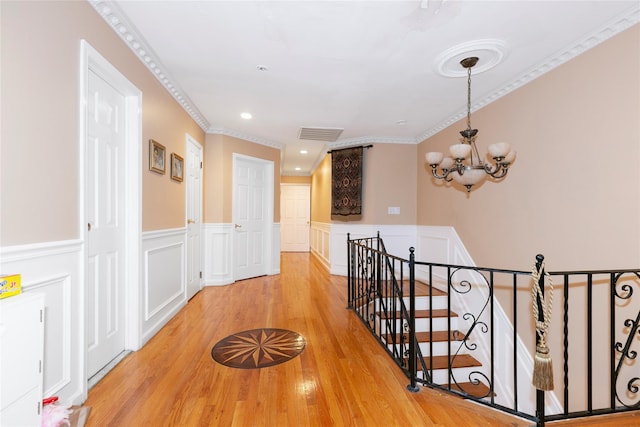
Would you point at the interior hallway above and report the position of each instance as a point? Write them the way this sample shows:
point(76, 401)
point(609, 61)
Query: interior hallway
point(343, 376)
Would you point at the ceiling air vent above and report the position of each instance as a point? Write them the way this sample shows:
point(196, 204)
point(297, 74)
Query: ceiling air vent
point(320, 134)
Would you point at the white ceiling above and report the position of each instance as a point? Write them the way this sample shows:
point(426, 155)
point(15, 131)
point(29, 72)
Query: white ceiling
point(384, 71)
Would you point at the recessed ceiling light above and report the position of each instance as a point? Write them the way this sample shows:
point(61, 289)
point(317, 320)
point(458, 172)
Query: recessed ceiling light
point(297, 169)
point(246, 116)
point(303, 151)
point(401, 122)
point(262, 68)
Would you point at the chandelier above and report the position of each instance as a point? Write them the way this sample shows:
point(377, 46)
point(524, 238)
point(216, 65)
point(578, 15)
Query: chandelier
point(465, 165)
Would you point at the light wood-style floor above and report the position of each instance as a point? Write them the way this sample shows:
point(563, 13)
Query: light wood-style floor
point(342, 378)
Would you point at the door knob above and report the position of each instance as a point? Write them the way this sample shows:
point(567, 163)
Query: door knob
point(237, 226)
point(190, 221)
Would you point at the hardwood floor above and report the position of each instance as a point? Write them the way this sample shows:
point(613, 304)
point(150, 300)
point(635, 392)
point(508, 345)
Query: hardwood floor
point(342, 378)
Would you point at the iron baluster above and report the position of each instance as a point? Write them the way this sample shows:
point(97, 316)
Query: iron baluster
point(540, 415)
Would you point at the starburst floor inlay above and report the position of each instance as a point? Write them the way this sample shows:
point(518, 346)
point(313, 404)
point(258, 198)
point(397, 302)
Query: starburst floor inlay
point(258, 348)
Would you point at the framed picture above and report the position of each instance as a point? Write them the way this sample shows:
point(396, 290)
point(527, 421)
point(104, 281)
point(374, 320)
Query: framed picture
point(177, 167)
point(156, 157)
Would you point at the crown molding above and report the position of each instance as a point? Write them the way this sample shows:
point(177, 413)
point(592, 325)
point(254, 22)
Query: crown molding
point(117, 20)
point(244, 136)
point(371, 140)
point(296, 174)
point(615, 26)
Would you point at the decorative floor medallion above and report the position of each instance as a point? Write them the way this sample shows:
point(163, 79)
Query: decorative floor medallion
point(258, 348)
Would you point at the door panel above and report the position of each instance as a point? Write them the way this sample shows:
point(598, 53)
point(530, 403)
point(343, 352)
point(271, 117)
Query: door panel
point(194, 217)
point(295, 216)
point(250, 218)
point(105, 217)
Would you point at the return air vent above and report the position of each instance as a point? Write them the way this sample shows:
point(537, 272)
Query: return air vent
point(320, 134)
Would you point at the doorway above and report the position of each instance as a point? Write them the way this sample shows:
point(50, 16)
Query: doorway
point(110, 171)
point(193, 176)
point(295, 217)
point(252, 216)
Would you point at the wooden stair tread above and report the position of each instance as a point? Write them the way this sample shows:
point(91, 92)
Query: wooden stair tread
point(422, 314)
point(436, 336)
point(422, 289)
point(460, 361)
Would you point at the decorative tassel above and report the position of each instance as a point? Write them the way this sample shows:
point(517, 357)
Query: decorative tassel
point(542, 369)
point(542, 366)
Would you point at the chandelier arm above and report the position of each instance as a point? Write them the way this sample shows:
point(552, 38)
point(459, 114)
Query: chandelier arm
point(474, 148)
point(498, 171)
point(445, 173)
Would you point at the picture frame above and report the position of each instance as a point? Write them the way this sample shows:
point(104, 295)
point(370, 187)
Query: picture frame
point(177, 167)
point(156, 157)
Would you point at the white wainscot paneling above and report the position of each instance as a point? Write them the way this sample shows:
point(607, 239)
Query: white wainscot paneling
point(54, 269)
point(320, 241)
point(397, 239)
point(274, 268)
point(163, 290)
point(218, 250)
point(443, 245)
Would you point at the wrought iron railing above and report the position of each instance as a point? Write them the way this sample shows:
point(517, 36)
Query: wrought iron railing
point(380, 295)
point(483, 319)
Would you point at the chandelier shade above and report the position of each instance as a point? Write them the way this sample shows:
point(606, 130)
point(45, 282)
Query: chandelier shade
point(471, 175)
point(465, 165)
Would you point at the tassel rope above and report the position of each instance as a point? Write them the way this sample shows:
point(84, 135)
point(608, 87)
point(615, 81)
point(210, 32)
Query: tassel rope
point(542, 366)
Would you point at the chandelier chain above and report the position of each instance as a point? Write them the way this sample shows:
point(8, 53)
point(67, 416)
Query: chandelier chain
point(469, 98)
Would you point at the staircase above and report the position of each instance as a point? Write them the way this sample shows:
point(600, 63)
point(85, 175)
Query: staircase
point(446, 340)
point(477, 352)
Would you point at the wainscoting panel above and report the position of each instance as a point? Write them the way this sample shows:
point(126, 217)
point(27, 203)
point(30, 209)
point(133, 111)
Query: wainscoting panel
point(443, 245)
point(319, 241)
point(397, 239)
point(274, 267)
point(55, 270)
point(218, 254)
point(163, 271)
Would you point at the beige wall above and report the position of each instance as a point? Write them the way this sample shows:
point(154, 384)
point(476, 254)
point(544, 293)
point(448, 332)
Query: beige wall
point(295, 180)
point(389, 180)
point(39, 182)
point(568, 127)
point(321, 192)
point(573, 194)
point(167, 123)
point(218, 176)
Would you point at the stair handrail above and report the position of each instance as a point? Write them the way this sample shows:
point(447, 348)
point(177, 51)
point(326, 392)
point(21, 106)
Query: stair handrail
point(411, 350)
point(621, 352)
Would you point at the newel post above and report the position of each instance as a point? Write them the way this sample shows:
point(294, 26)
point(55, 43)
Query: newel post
point(413, 370)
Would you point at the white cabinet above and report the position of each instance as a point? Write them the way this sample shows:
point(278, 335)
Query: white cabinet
point(21, 360)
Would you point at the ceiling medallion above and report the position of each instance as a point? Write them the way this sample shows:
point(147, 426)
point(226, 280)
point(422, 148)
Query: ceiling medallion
point(492, 52)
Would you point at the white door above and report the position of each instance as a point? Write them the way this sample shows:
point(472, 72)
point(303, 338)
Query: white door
point(295, 217)
point(193, 178)
point(251, 183)
point(105, 202)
